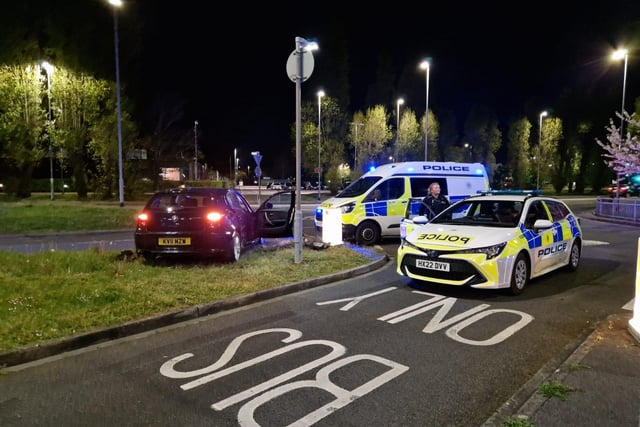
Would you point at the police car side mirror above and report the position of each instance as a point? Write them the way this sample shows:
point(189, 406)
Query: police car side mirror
point(542, 224)
point(420, 220)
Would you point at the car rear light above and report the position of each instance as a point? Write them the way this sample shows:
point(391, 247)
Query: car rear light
point(214, 217)
point(142, 220)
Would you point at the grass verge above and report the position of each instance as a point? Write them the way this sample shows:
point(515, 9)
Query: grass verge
point(50, 295)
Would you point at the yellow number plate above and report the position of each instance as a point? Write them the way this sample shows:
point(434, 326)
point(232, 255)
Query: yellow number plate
point(174, 241)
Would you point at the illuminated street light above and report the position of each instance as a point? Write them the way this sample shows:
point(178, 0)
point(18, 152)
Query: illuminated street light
point(355, 145)
point(542, 114)
point(399, 103)
point(426, 65)
point(470, 148)
point(49, 69)
point(195, 136)
point(320, 95)
point(235, 167)
point(303, 46)
point(116, 4)
point(617, 55)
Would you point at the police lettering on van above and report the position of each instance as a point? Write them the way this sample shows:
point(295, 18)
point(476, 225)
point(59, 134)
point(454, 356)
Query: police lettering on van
point(366, 219)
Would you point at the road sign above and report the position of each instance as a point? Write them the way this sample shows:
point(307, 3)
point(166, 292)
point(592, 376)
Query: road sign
point(318, 169)
point(257, 157)
point(307, 65)
point(257, 171)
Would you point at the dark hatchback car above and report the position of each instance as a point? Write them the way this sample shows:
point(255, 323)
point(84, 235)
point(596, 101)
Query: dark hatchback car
point(209, 222)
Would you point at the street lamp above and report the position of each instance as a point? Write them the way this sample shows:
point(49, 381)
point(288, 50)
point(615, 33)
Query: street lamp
point(116, 4)
point(195, 136)
point(235, 166)
point(399, 103)
point(355, 145)
point(617, 55)
point(320, 95)
point(49, 70)
point(303, 47)
point(470, 148)
point(542, 114)
point(426, 65)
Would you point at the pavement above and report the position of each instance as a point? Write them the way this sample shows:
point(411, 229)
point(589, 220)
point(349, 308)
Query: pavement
point(595, 382)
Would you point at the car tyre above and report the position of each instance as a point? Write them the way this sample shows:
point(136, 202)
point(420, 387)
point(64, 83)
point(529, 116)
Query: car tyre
point(574, 257)
point(519, 274)
point(233, 253)
point(367, 233)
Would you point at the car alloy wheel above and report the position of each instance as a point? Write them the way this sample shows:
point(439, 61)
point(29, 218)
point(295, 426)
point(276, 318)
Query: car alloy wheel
point(519, 275)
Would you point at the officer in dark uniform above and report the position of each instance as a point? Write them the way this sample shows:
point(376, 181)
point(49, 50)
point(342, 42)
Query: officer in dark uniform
point(434, 202)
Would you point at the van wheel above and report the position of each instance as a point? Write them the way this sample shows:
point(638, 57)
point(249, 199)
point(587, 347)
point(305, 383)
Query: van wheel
point(367, 233)
point(519, 275)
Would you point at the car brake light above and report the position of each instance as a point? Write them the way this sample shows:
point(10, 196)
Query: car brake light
point(214, 216)
point(142, 219)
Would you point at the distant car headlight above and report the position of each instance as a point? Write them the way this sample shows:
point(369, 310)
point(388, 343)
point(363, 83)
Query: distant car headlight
point(490, 251)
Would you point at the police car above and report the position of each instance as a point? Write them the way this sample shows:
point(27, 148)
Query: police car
point(494, 240)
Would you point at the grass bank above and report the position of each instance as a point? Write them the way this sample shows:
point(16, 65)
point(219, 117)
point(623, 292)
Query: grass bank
point(53, 294)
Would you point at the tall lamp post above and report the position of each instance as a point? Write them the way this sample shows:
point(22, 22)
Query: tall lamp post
point(302, 50)
point(426, 65)
point(49, 70)
point(542, 114)
point(235, 167)
point(399, 103)
point(116, 4)
point(355, 145)
point(195, 137)
point(617, 55)
point(320, 95)
point(470, 148)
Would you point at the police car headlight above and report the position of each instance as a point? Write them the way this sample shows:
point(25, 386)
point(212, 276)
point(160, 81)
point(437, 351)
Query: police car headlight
point(348, 207)
point(490, 251)
point(405, 242)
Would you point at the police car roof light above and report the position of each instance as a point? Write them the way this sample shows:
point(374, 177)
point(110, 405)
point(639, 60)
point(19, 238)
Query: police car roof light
point(511, 192)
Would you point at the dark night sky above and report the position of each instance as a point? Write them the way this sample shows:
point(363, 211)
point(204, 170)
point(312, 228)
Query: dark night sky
point(230, 63)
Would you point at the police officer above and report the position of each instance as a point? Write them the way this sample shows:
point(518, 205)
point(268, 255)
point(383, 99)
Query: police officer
point(434, 202)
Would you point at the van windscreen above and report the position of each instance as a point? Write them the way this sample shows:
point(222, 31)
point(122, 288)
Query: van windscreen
point(359, 186)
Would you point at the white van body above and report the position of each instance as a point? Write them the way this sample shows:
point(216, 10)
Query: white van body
point(367, 219)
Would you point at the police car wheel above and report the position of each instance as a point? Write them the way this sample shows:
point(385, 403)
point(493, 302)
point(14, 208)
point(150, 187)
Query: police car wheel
point(367, 233)
point(519, 275)
point(574, 257)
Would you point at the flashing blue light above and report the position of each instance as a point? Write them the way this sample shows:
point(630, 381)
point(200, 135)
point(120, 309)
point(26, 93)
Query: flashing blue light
point(410, 169)
point(371, 168)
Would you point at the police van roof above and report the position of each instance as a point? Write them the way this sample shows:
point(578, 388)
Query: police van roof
point(429, 168)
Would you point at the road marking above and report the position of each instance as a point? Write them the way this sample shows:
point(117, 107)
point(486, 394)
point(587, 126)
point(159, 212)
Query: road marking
point(261, 394)
point(594, 243)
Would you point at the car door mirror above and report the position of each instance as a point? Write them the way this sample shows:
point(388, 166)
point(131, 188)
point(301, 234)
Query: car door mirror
point(542, 224)
point(420, 220)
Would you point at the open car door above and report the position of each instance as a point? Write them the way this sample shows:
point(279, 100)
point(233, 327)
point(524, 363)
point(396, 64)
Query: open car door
point(275, 215)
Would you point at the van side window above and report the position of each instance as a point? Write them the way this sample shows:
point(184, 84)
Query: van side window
point(395, 187)
point(419, 186)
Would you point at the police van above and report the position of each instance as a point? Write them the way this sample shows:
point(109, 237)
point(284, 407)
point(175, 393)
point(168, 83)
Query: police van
point(373, 205)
